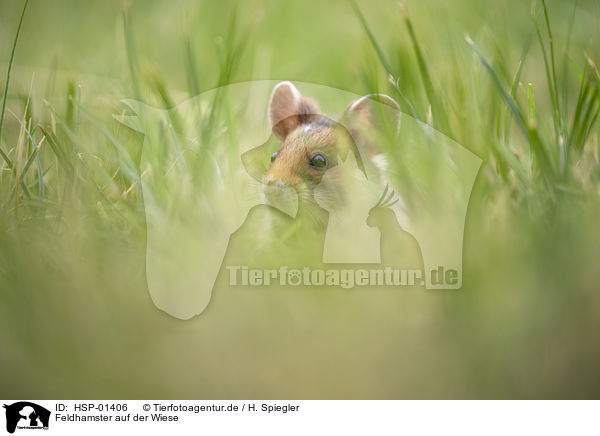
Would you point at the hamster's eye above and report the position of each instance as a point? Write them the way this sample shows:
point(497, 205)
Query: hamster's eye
point(318, 161)
point(273, 156)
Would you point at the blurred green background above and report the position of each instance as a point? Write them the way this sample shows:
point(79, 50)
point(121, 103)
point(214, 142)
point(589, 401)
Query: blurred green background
point(76, 319)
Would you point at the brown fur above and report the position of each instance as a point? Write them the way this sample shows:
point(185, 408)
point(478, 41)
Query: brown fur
point(296, 121)
point(292, 165)
point(288, 109)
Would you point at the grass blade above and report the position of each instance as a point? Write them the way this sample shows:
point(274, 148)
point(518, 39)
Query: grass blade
point(191, 70)
point(538, 146)
point(10, 63)
point(439, 116)
point(383, 59)
point(57, 149)
point(530, 103)
point(552, 61)
point(548, 69)
point(131, 56)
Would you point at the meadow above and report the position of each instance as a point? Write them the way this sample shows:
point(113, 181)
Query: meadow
point(514, 82)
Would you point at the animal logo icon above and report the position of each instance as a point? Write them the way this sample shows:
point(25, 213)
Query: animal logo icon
point(26, 415)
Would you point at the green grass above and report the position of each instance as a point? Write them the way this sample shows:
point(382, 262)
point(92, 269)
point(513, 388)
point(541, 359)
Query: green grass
point(516, 84)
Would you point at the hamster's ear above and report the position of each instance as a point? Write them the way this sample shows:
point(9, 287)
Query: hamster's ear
point(371, 118)
point(288, 109)
point(376, 110)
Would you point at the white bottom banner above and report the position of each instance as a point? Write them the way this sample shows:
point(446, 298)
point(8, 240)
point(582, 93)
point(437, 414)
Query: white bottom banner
point(301, 417)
